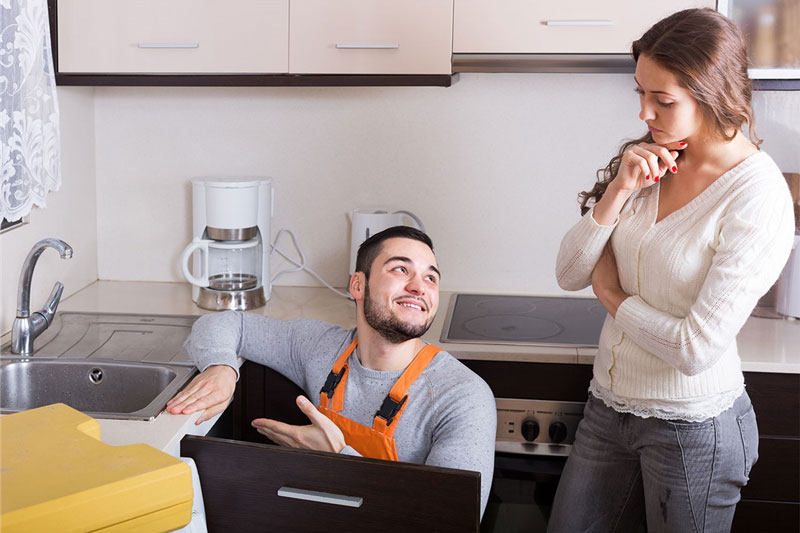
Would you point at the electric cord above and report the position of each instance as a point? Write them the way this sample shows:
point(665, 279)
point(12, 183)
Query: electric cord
point(299, 266)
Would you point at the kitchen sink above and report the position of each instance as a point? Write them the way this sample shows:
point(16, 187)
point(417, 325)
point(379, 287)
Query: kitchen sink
point(105, 365)
point(99, 388)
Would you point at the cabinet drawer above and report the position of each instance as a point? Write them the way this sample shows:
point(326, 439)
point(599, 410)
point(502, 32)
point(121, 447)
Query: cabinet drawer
point(570, 26)
point(776, 401)
point(776, 474)
point(179, 36)
point(245, 488)
point(766, 516)
point(370, 37)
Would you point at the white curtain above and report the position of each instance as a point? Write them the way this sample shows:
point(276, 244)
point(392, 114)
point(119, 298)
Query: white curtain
point(29, 136)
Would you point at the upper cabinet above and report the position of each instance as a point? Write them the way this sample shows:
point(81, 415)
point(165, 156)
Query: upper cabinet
point(381, 42)
point(175, 37)
point(252, 42)
point(772, 30)
point(565, 27)
point(370, 37)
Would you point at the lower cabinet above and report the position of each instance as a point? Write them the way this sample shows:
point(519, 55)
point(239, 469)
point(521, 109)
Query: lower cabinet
point(771, 499)
point(250, 484)
point(260, 487)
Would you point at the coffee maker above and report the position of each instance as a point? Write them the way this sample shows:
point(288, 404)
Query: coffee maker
point(230, 243)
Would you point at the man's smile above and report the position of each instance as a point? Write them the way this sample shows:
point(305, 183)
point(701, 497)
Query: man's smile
point(411, 303)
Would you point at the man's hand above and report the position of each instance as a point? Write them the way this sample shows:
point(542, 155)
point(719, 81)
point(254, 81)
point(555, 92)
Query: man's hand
point(212, 390)
point(605, 282)
point(321, 435)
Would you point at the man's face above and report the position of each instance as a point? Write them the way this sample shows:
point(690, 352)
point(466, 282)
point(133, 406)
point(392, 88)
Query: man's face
point(402, 293)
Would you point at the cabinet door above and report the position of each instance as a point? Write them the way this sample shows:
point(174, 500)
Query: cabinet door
point(179, 36)
point(260, 487)
point(568, 26)
point(772, 33)
point(370, 37)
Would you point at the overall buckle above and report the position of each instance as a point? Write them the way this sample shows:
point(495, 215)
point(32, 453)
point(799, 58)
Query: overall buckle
point(331, 382)
point(389, 408)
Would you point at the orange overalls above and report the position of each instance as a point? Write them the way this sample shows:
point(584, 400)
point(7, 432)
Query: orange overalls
point(377, 441)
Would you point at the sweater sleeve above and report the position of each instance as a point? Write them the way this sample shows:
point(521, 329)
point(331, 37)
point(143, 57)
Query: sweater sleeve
point(283, 345)
point(465, 435)
point(754, 241)
point(580, 249)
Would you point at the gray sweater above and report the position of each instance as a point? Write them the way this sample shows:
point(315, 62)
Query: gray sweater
point(450, 416)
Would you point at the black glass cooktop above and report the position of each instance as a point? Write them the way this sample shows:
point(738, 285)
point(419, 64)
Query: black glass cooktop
point(536, 320)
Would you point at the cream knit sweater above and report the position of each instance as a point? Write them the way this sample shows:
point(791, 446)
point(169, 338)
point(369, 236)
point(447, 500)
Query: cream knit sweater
point(693, 279)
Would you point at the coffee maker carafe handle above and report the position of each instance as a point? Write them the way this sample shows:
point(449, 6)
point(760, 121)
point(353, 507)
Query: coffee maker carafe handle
point(202, 246)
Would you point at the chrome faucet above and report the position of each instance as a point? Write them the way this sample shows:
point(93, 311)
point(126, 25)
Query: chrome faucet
point(27, 326)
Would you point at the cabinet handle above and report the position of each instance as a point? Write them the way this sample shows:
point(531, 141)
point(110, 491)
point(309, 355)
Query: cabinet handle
point(579, 22)
point(368, 46)
point(169, 45)
point(321, 497)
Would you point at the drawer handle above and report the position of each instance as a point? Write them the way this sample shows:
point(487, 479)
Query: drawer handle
point(368, 46)
point(579, 22)
point(169, 45)
point(320, 497)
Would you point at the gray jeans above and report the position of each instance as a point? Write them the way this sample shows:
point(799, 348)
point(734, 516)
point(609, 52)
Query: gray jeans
point(626, 473)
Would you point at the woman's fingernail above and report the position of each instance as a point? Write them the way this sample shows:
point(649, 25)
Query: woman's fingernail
point(656, 179)
point(674, 170)
point(647, 177)
point(683, 144)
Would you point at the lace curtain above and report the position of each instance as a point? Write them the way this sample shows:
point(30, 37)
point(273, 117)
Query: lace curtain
point(30, 145)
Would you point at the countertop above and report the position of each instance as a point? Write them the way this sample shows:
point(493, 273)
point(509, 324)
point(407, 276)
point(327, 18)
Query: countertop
point(765, 345)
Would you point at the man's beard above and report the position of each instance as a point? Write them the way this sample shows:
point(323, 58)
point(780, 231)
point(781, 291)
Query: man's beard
point(389, 326)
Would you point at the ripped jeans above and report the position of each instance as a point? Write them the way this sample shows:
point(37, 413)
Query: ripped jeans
point(626, 473)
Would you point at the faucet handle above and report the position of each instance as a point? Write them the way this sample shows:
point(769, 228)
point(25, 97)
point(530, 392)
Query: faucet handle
point(49, 309)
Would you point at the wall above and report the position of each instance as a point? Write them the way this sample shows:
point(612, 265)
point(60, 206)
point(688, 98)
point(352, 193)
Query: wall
point(70, 215)
point(492, 165)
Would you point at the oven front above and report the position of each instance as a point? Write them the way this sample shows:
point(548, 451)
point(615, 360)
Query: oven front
point(534, 438)
point(539, 406)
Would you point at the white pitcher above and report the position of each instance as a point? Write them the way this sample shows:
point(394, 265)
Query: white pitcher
point(366, 222)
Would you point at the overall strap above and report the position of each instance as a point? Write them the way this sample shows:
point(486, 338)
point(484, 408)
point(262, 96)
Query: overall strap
point(327, 395)
point(395, 402)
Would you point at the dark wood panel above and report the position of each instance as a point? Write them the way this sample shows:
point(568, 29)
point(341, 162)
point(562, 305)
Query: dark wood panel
point(263, 393)
point(259, 80)
point(776, 474)
point(752, 516)
point(776, 400)
point(240, 483)
point(534, 381)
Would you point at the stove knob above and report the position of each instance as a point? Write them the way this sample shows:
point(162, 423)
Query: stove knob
point(558, 432)
point(530, 429)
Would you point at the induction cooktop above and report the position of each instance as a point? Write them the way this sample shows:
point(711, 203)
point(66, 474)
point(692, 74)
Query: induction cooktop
point(524, 320)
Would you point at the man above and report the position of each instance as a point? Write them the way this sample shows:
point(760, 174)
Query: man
point(383, 392)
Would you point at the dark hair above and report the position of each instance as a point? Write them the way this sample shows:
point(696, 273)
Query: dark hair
point(707, 54)
point(371, 248)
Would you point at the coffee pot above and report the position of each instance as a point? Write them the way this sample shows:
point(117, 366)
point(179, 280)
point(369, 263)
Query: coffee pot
point(230, 226)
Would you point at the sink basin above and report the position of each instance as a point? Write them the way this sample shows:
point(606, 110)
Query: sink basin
point(99, 388)
point(106, 365)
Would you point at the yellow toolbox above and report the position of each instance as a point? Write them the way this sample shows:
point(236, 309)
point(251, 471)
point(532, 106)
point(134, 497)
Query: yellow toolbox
point(56, 475)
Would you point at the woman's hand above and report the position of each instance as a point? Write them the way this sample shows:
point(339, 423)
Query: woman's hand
point(605, 282)
point(644, 164)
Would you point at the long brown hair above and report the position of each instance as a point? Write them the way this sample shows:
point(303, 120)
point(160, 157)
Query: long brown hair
point(707, 54)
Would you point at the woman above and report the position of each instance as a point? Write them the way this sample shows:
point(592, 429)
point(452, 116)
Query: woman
point(686, 228)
